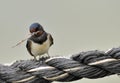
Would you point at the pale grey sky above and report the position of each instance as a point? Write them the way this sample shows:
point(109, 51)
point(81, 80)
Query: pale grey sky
point(76, 25)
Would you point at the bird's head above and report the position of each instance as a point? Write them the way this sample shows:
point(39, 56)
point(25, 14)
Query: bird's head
point(36, 29)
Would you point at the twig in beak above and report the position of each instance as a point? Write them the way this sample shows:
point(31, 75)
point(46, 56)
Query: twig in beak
point(20, 42)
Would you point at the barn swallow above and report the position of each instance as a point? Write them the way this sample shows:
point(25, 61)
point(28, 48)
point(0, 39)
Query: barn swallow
point(39, 42)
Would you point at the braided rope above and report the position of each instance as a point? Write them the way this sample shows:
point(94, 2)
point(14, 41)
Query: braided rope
point(90, 64)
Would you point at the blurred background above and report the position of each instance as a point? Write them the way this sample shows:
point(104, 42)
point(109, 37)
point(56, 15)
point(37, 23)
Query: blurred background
point(76, 25)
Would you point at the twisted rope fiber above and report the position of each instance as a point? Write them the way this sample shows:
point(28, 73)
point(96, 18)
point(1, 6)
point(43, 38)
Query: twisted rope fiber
point(91, 64)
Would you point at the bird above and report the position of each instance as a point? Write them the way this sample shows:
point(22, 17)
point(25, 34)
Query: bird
point(39, 42)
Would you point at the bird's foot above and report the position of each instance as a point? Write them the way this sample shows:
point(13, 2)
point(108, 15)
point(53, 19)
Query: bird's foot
point(43, 58)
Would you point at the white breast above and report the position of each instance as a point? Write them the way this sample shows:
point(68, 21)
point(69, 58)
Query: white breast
point(38, 49)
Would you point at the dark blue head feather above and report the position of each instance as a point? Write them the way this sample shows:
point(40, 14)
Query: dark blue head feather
point(36, 27)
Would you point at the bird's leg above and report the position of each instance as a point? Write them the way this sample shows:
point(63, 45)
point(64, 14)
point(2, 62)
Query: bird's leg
point(35, 58)
point(39, 56)
point(48, 55)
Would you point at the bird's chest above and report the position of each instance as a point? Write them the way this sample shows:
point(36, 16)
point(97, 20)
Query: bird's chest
point(39, 49)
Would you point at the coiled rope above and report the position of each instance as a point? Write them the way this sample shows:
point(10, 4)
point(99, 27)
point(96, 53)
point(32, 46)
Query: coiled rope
point(91, 64)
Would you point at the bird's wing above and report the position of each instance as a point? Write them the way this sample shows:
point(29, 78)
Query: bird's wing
point(28, 46)
point(51, 39)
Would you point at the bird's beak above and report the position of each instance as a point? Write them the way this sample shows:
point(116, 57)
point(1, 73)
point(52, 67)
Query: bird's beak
point(33, 33)
point(37, 33)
